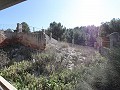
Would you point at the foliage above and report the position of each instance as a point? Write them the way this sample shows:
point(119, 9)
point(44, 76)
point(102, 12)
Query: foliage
point(56, 29)
point(25, 27)
point(107, 75)
point(18, 75)
point(110, 27)
point(79, 34)
point(9, 30)
point(43, 64)
point(36, 75)
point(17, 51)
point(113, 69)
point(4, 60)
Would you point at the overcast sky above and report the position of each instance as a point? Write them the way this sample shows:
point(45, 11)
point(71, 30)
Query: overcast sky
point(71, 13)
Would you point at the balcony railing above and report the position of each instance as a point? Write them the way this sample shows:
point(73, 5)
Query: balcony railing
point(5, 85)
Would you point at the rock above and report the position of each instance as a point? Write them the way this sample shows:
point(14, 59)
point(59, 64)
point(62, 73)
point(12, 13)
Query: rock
point(70, 66)
point(83, 58)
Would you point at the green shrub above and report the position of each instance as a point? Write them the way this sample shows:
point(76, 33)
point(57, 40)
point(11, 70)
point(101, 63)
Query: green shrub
point(39, 75)
point(113, 70)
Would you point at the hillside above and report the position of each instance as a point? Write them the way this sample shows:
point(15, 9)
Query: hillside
point(59, 64)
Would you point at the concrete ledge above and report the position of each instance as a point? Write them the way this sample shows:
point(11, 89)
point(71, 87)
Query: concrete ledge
point(5, 85)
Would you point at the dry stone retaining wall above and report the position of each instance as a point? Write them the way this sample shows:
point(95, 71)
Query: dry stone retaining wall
point(33, 40)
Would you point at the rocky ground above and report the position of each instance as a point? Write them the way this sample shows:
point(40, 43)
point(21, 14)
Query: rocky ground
point(56, 59)
point(69, 56)
point(72, 56)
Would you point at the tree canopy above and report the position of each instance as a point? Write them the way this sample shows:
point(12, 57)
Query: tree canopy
point(110, 27)
point(56, 29)
point(25, 27)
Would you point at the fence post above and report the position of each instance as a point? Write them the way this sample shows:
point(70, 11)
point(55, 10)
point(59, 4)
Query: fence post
point(50, 36)
point(58, 39)
point(33, 29)
point(72, 42)
point(66, 40)
point(43, 31)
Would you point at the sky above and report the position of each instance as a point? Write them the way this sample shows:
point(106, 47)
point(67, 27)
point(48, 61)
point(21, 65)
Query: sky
point(70, 13)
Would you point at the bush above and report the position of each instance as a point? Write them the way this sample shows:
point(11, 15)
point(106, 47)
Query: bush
point(18, 75)
point(43, 64)
point(113, 70)
point(4, 60)
point(40, 74)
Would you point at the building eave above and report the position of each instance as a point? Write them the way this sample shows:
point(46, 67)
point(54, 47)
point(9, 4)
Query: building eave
point(8, 3)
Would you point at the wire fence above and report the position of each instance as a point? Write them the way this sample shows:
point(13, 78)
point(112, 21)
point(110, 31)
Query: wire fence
point(33, 29)
point(14, 26)
point(8, 26)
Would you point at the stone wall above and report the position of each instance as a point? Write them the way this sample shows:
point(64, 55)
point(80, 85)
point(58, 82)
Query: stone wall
point(32, 40)
point(110, 41)
point(104, 51)
point(114, 40)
